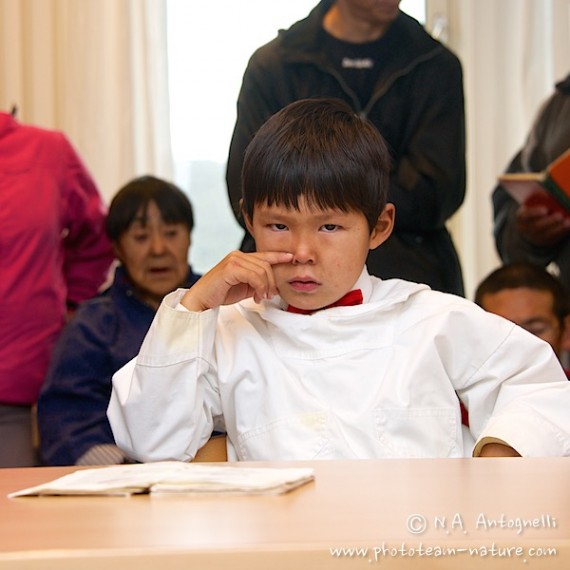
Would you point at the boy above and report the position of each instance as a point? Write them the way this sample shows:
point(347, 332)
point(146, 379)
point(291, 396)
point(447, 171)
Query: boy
point(377, 379)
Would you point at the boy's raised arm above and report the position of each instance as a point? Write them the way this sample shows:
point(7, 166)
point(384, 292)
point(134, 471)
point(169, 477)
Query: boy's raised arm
point(165, 402)
point(238, 276)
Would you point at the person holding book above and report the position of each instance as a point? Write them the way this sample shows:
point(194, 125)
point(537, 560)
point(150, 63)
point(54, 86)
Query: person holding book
point(297, 353)
point(531, 297)
point(149, 224)
point(536, 233)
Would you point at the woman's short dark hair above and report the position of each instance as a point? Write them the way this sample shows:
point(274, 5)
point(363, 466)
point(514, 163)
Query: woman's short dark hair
point(321, 150)
point(173, 204)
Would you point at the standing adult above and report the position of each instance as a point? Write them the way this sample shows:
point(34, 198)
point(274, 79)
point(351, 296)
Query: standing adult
point(389, 69)
point(533, 233)
point(53, 255)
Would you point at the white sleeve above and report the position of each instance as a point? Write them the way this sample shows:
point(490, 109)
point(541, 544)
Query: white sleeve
point(164, 401)
point(521, 397)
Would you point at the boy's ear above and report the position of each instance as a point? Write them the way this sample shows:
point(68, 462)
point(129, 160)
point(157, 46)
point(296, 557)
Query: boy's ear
point(245, 217)
point(384, 226)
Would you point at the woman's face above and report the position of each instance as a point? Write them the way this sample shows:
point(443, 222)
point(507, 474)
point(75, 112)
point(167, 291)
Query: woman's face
point(154, 255)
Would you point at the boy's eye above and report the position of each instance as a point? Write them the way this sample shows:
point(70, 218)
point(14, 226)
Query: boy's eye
point(173, 232)
point(140, 237)
point(330, 227)
point(278, 227)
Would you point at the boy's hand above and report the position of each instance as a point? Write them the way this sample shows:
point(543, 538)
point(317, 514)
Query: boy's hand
point(498, 450)
point(238, 276)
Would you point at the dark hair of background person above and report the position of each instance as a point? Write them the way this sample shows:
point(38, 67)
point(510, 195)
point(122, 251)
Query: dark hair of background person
point(529, 275)
point(322, 150)
point(173, 204)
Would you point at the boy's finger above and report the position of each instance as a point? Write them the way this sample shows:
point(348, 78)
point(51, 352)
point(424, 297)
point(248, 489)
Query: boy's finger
point(274, 257)
point(264, 281)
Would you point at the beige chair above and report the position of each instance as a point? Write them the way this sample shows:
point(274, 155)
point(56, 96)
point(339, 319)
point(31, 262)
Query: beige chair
point(213, 450)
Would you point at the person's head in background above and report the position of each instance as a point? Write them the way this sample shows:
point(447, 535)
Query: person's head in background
point(149, 224)
point(529, 296)
point(360, 21)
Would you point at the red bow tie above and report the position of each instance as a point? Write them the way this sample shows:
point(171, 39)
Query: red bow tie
point(351, 298)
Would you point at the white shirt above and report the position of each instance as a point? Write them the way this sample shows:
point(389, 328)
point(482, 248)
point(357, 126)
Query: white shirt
point(376, 380)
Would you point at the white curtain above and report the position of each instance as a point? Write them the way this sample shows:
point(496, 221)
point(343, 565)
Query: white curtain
point(513, 51)
point(95, 69)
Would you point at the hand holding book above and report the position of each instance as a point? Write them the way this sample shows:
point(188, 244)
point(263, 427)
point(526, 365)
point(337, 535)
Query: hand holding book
point(541, 227)
point(549, 189)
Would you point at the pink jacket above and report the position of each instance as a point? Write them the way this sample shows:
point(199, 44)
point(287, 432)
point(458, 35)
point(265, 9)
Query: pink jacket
point(53, 250)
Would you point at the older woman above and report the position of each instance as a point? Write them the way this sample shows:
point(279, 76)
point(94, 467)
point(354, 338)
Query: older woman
point(149, 224)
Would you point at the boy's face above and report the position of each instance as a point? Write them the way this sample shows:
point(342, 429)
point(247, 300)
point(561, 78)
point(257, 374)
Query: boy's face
point(329, 249)
point(531, 309)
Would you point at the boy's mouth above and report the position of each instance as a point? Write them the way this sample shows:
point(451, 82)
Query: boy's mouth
point(303, 285)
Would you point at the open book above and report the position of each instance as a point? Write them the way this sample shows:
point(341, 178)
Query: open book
point(174, 477)
point(550, 188)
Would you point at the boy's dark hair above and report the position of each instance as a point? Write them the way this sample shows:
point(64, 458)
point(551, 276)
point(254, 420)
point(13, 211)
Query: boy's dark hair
point(173, 204)
point(321, 150)
point(529, 275)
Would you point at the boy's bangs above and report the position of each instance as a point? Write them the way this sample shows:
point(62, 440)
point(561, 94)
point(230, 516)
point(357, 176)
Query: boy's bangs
point(320, 184)
point(315, 191)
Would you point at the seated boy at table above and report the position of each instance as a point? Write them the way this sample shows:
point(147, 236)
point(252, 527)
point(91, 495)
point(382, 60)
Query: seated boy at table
point(259, 349)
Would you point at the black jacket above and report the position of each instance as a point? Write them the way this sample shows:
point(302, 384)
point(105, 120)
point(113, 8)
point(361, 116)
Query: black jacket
point(417, 106)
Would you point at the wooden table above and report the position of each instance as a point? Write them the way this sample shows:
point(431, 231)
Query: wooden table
point(467, 506)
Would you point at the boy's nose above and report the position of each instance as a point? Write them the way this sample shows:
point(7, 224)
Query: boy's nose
point(303, 251)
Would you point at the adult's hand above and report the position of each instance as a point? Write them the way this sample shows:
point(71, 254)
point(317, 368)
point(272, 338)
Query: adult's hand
point(541, 228)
